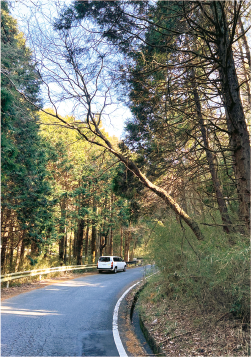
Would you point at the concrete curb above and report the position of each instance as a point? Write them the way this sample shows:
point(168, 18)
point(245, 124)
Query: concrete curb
point(150, 339)
point(147, 334)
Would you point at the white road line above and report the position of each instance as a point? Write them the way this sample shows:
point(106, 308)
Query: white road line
point(115, 327)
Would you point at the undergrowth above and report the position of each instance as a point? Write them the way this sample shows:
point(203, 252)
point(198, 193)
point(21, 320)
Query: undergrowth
point(180, 327)
point(215, 273)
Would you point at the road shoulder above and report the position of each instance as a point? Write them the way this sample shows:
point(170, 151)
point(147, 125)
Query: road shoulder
point(131, 341)
point(21, 288)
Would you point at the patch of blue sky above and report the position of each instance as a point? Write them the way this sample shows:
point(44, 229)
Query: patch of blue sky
point(64, 89)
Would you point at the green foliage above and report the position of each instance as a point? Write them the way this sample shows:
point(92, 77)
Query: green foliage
point(214, 274)
point(127, 186)
point(83, 183)
point(26, 190)
point(103, 12)
point(32, 261)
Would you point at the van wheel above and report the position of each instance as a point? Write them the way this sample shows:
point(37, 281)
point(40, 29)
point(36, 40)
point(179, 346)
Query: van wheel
point(100, 271)
point(124, 268)
point(115, 270)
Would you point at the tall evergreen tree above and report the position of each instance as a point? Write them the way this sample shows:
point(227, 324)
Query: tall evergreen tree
point(27, 202)
point(188, 35)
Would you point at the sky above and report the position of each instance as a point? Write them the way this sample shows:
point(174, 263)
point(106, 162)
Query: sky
point(28, 15)
point(27, 12)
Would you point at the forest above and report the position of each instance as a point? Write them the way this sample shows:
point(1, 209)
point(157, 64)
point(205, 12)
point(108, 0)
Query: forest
point(175, 189)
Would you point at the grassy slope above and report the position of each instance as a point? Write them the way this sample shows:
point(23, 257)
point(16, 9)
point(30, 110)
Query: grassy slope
point(202, 293)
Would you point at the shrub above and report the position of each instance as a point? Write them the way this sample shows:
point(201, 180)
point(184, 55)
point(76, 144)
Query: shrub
point(214, 272)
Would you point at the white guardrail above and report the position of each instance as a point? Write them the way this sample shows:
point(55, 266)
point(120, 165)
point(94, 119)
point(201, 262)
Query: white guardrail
point(25, 274)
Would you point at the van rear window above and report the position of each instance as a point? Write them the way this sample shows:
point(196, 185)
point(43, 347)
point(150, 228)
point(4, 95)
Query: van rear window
point(104, 259)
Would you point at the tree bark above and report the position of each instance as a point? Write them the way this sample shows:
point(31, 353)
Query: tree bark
point(101, 244)
point(5, 235)
point(110, 250)
point(3, 251)
point(127, 245)
point(103, 241)
point(237, 127)
point(11, 251)
point(80, 234)
point(111, 242)
point(65, 247)
point(131, 255)
point(121, 241)
point(86, 241)
point(93, 241)
point(75, 243)
point(212, 161)
point(62, 241)
point(21, 260)
point(20, 253)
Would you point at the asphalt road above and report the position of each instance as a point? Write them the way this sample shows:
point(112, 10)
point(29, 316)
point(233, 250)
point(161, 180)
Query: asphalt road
point(72, 318)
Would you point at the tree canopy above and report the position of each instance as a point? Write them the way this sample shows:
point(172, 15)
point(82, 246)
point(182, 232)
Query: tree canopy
point(183, 69)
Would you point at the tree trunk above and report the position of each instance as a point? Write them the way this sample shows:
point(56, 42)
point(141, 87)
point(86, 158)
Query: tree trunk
point(121, 241)
point(127, 245)
point(20, 253)
point(103, 241)
point(5, 235)
point(11, 252)
point(80, 234)
point(212, 161)
point(247, 78)
point(246, 46)
point(111, 242)
point(248, 57)
point(237, 127)
point(86, 241)
point(3, 251)
point(62, 241)
point(75, 243)
point(65, 247)
point(110, 248)
point(93, 241)
point(21, 259)
point(70, 249)
point(101, 244)
point(161, 193)
point(131, 255)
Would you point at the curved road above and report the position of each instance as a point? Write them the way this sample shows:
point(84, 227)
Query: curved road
point(72, 318)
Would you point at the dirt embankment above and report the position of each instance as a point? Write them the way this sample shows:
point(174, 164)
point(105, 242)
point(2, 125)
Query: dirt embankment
point(185, 330)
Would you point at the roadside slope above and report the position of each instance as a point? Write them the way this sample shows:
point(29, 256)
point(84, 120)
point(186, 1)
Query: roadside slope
point(187, 329)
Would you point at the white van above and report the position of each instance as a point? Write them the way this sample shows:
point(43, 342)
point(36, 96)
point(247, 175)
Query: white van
point(111, 263)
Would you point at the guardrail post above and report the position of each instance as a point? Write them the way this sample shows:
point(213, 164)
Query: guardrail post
point(40, 277)
point(8, 284)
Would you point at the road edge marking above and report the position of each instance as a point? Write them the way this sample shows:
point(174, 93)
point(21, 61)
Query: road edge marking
point(115, 327)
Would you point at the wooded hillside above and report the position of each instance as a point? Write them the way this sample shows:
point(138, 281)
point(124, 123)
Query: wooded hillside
point(176, 188)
